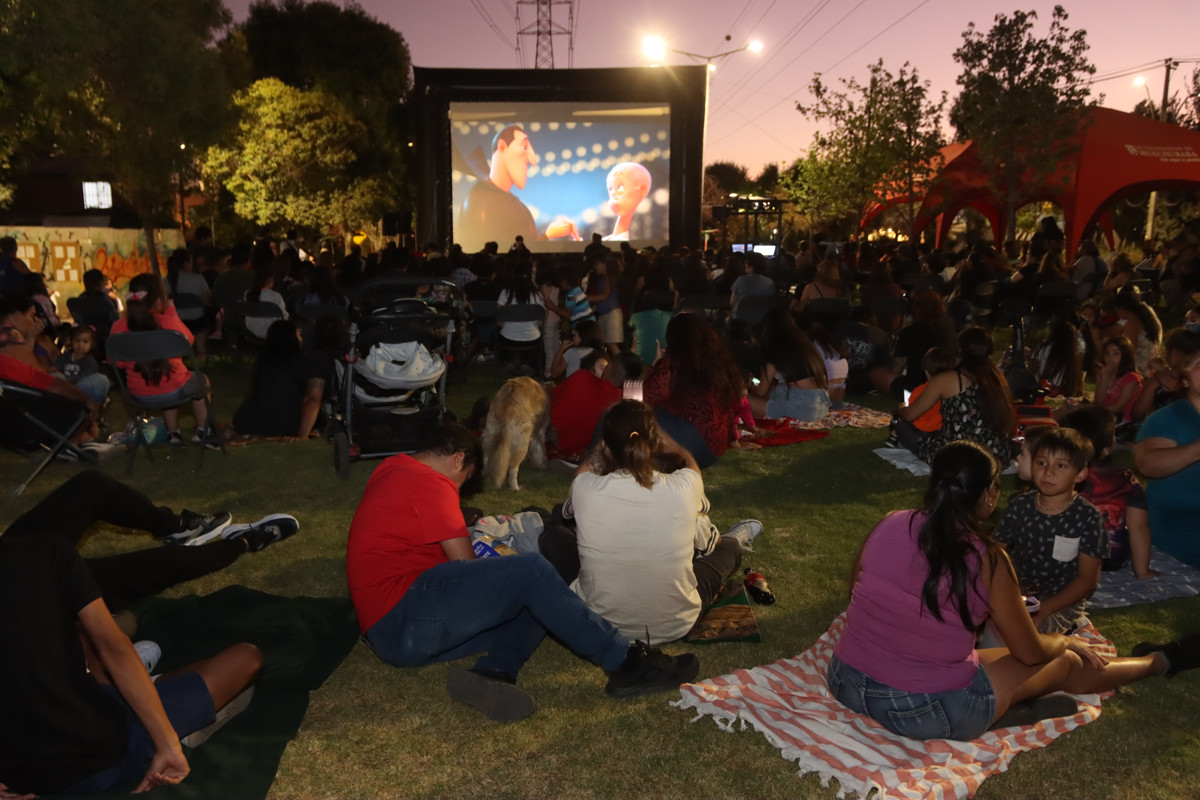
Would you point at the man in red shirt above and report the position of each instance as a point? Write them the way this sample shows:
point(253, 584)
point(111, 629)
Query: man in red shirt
point(422, 596)
point(577, 403)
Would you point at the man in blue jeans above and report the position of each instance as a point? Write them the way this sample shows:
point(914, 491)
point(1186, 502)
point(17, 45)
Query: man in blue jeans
point(422, 596)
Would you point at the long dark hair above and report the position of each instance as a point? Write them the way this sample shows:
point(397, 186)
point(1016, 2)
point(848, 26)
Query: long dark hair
point(1062, 364)
point(631, 436)
point(793, 354)
point(995, 399)
point(1131, 300)
point(519, 284)
point(139, 316)
point(960, 473)
point(701, 362)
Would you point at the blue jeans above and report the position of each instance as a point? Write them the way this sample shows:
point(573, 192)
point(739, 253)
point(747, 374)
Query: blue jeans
point(686, 435)
point(95, 386)
point(959, 714)
point(502, 607)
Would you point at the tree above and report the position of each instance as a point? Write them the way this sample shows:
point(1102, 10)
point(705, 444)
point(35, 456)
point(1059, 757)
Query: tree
point(730, 177)
point(882, 145)
point(292, 161)
point(812, 182)
point(767, 180)
point(361, 62)
point(135, 86)
point(1021, 100)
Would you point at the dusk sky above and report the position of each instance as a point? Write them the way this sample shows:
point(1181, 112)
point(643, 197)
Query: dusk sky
point(752, 119)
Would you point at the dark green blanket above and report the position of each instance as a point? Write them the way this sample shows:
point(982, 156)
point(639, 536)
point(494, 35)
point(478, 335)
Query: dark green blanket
point(303, 640)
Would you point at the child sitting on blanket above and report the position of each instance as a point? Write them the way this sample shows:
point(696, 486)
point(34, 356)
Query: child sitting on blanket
point(1055, 538)
point(936, 361)
point(1114, 491)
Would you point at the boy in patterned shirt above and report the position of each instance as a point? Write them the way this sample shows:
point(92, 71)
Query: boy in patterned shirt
point(1055, 538)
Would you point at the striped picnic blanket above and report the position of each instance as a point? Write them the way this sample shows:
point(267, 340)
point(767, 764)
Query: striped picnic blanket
point(789, 703)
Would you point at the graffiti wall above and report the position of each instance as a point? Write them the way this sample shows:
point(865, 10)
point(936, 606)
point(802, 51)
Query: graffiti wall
point(64, 254)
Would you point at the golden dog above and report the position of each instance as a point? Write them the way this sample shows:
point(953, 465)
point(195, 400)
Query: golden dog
point(515, 431)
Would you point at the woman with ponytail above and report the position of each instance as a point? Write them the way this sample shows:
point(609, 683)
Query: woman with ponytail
point(648, 559)
point(925, 583)
point(976, 404)
point(147, 308)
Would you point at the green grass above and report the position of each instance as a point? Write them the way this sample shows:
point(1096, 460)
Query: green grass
point(375, 731)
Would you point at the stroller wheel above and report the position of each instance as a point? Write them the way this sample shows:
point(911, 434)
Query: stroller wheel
point(341, 454)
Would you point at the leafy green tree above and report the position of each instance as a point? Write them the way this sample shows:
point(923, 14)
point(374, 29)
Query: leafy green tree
point(882, 142)
point(292, 160)
point(1021, 99)
point(812, 183)
point(351, 56)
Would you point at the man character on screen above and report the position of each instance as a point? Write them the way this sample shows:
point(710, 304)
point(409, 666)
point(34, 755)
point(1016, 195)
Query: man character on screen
point(492, 212)
point(628, 185)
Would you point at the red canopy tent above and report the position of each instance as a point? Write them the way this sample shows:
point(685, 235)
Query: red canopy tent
point(1116, 154)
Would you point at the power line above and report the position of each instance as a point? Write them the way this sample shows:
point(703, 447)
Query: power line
point(487, 18)
point(876, 36)
point(799, 55)
point(792, 97)
point(777, 49)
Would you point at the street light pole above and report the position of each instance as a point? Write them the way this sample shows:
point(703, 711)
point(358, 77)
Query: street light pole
point(656, 49)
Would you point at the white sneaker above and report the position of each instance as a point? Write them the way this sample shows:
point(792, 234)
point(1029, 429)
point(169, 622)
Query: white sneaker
point(744, 532)
point(149, 652)
point(230, 710)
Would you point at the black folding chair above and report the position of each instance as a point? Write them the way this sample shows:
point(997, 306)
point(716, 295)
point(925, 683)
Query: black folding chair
point(32, 420)
point(259, 311)
point(153, 346)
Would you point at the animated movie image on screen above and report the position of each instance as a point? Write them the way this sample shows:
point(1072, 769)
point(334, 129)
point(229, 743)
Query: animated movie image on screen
point(555, 173)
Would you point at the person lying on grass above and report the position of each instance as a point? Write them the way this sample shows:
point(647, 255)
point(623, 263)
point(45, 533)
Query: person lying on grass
point(422, 596)
point(91, 497)
point(925, 584)
point(81, 714)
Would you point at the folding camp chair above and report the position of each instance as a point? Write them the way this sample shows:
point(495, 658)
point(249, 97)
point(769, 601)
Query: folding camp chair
point(151, 346)
point(35, 419)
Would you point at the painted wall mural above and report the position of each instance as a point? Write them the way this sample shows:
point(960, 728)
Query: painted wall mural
point(64, 254)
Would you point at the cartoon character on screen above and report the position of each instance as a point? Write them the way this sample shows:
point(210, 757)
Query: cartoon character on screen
point(492, 212)
point(628, 185)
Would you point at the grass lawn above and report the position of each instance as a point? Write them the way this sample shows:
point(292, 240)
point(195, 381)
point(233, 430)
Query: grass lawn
point(375, 731)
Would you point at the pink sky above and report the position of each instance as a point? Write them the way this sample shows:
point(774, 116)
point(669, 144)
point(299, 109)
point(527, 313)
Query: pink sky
point(752, 119)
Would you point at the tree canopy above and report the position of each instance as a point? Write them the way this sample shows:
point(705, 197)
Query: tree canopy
point(357, 61)
point(881, 142)
point(1021, 94)
point(132, 85)
point(292, 159)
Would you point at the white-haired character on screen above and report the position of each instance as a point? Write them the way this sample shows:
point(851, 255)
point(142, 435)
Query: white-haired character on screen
point(628, 185)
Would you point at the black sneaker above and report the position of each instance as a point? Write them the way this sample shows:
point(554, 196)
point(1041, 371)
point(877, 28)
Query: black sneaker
point(1181, 654)
point(647, 670)
point(494, 695)
point(192, 525)
point(266, 531)
point(174, 438)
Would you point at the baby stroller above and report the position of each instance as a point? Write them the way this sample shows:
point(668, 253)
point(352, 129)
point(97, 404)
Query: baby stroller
point(390, 387)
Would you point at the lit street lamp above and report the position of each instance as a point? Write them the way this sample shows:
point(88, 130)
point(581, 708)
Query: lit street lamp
point(655, 48)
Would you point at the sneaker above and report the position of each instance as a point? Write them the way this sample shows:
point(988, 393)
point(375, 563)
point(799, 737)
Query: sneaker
point(207, 435)
point(744, 532)
point(648, 669)
point(494, 695)
point(193, 526)
point(175, 438)
point(893, 442)
point(227, 712)
point(561, 466)
point(149, 652)
point(1180, 654)
point(268, 530)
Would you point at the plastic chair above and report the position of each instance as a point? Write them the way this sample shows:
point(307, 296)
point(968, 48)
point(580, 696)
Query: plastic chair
point(520, 312)
point(138, 346)
point(33, 418)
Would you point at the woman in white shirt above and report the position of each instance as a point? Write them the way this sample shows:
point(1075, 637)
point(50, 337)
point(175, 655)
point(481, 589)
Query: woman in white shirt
point(649, 559)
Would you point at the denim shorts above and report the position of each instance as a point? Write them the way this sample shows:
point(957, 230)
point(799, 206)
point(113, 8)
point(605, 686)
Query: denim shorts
point(959, 714)
point(189, 708)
